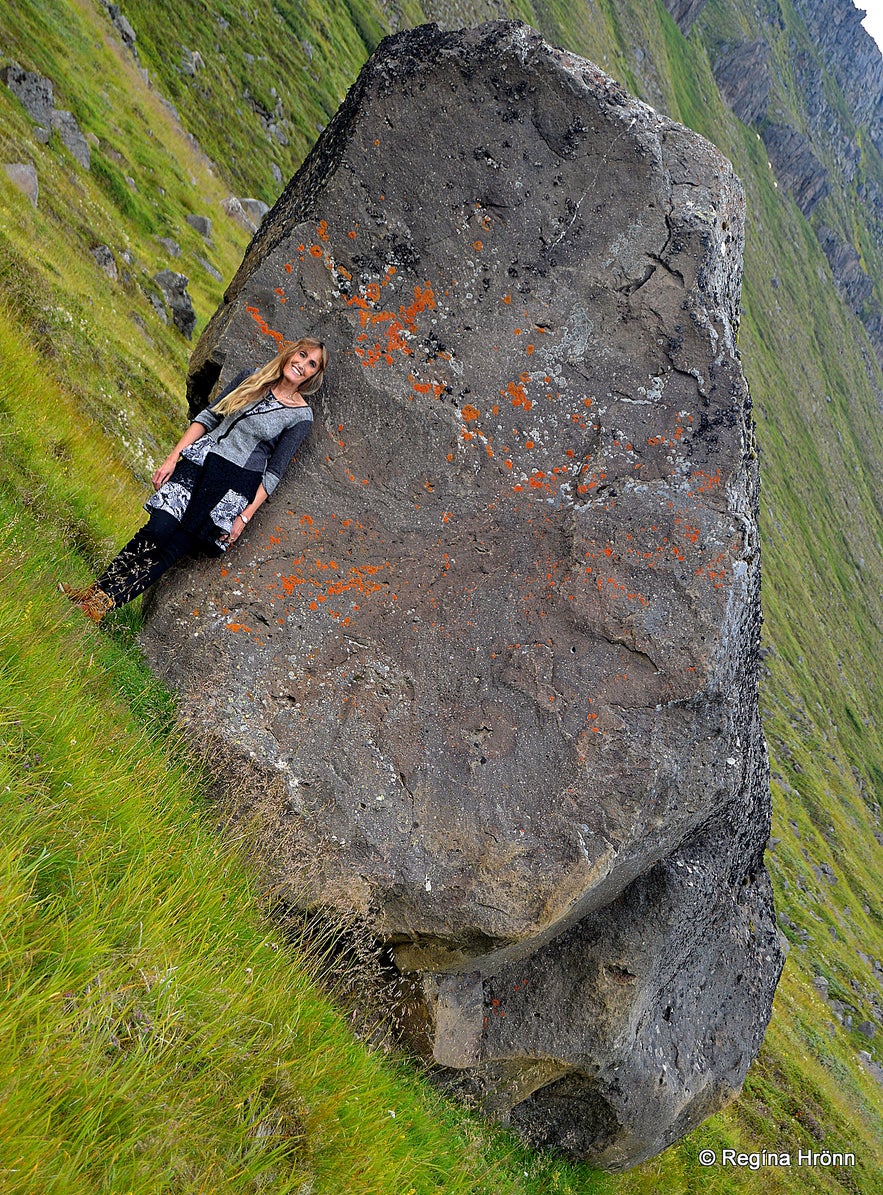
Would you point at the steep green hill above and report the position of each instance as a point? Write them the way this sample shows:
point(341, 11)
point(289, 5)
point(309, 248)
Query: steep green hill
point(160, 1033)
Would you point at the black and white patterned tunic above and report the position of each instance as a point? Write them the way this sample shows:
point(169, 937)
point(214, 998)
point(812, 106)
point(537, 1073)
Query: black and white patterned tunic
point(218, 476)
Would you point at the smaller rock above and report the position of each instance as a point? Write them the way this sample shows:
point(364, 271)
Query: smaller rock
point(191, 61)
point(171, 247)
point(23, 176)
point(131, 182)
point(202, 224)
point(41, 135)
point(33, 92)
point(210, 269)
point(820, 983)
point(235, 211)
point(867, 1029)
point(871, 1065)
point(72, 138)
point(255, 209)
point(276, 172)
point(122, 26)
point(174, 289)
point(106, 262)
point(158, 306)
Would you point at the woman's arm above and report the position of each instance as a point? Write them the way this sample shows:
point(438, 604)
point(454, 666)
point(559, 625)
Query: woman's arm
point(164, 472)
point(289, 442)
point(253, 507)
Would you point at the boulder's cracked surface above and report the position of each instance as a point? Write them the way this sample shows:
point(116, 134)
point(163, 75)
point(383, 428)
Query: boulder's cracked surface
point(496, 635)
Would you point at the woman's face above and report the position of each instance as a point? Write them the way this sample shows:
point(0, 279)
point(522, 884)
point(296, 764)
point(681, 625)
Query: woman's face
point(301, 366)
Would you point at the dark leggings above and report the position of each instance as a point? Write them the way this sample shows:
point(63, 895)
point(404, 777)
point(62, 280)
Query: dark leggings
point(160, 543)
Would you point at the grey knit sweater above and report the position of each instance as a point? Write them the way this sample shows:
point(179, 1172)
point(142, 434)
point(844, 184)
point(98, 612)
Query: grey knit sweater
point(263, 437)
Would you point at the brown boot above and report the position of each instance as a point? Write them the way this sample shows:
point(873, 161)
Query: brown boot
point(94, 602)
point(75, 593)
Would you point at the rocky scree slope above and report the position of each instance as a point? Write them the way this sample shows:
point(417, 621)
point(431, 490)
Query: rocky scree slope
point(812, 87)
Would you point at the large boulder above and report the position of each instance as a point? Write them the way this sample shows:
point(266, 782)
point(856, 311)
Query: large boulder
point(488, 659)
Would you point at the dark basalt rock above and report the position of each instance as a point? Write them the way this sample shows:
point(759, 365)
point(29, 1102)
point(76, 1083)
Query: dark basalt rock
point(742, 72)
point(797, 167)
point(489, 656)
point(684, 12)
point(175, 293)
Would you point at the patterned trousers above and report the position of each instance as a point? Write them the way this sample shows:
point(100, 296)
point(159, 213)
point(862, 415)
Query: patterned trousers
point(152, 551)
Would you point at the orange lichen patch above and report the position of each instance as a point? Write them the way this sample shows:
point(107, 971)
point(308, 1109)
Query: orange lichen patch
point(447, 516)
point(517, 332)
point(529, 349)
point(264, 326)
point(352, 234)
point(591, 481)
point(316, 250)
point(587, 402)
point(709, 480)
point(238, 626)
point(507, 299)
point(518, 396)
point(470, 413)
point(394, 334)
point(528, 443)
point(288, 267)
point(322, 230)
point(477, 246)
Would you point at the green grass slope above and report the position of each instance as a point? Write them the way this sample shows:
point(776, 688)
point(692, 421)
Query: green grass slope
point(159, 1031)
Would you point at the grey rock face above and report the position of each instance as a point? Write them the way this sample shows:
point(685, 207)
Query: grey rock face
point(684, 12)
point(202, 224)
point(491, 651)
point(122, 25)
point(796, 166)
point(174, 289)
point(234, 209)
point(72, 137)
point(742, 73)
point(24, 176)
point(106, 261)
point(255, 209)
point(33, 91)
point(852, 54)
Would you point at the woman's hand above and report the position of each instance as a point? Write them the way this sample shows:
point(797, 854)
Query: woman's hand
point(235, 531)
point(165, 471)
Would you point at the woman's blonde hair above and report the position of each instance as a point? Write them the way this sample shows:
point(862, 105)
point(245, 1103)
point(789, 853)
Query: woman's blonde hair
point(262, 379)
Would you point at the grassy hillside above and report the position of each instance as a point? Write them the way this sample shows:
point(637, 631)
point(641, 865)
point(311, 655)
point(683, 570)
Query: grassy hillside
point(161, 1032)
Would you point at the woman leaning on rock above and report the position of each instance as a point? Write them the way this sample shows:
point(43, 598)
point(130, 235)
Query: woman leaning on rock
point(217, 476)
